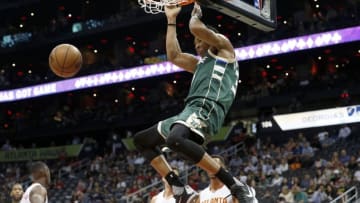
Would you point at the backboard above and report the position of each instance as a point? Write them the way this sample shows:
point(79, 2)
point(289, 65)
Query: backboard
point(260, 14)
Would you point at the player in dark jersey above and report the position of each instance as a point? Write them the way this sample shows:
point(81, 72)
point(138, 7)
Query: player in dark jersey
point(211, 94)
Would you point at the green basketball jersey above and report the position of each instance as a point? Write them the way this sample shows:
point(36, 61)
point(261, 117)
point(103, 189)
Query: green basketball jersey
point(211, 94)
point(213, 88)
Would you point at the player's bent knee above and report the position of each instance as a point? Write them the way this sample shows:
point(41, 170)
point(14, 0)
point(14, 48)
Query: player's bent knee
point(148, 139)
point(179, 141)
point(175, 140)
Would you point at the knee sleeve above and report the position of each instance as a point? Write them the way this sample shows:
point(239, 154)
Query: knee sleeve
point(146, 142)
point(178, 140)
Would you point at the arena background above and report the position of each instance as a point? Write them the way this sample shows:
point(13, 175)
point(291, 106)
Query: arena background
point(83, 127)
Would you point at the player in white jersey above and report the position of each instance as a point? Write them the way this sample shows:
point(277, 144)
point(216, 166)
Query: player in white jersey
point(166, 195)
point(217, 192)
point(36, 192)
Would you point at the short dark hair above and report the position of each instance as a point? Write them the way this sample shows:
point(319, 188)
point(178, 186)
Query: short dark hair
point(38, 166)
point(15, 184)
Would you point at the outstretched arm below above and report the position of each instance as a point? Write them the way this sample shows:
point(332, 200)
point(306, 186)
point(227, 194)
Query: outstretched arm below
point(174, 54)
point(38, 195)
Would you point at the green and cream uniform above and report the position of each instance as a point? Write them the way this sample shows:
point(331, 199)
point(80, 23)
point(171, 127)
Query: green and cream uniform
point(211, 94)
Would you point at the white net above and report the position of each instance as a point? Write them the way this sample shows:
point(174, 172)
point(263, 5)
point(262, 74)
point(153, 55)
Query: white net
point(156, 6)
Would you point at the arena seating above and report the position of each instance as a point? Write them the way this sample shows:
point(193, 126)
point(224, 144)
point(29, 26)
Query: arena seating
point(109, 178)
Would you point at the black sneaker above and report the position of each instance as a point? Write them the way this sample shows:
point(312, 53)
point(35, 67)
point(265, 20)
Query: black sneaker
point(243, 192)
point(188, 196)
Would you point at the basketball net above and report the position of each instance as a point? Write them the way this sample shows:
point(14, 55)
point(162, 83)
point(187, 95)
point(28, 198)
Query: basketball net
point(158, 6)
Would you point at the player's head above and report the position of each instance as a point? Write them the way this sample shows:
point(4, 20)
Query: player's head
point(220, 160)
point(16, 192)
point(201, 47)
point(40, 171)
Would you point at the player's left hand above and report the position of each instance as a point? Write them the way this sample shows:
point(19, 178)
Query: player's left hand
point(196, 11)
point(171, 12)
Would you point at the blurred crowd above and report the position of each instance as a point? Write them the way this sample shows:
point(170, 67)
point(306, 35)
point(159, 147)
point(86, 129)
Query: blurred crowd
point(313, 168)
point(117, 105)
point(300, 169)
point(304, 169)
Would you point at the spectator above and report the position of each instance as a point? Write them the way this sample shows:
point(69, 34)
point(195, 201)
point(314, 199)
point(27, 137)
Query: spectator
point(277, 180)
point(236, 162)
point(16, 193)
point(305, 182)
point(139, 160)
point(268, 197)
point(331, 191)
point(352, 163)
point(281, 200)
point(287, 194)
point(325, 140)
point(319, 195)
point(297, 149)
point(6, 146)
point(296, 164)
point(283, 166)
point(344, 158)
point(307, 150)
point(250, 167)
point(299, 195)
point(344, 132)
point(80, 196)
point(320, 163)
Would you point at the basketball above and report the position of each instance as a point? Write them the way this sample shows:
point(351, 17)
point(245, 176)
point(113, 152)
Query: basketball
point(186, 2)
point(65, 60)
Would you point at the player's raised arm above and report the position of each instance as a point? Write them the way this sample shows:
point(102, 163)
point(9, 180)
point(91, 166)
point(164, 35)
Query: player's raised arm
point(199, 30)
point(173, 50)
point(38, 195)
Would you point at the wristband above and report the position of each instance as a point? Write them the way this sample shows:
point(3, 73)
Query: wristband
point(171, 24)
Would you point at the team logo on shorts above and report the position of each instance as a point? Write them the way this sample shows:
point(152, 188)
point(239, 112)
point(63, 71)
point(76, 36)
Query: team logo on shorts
point(195, 122)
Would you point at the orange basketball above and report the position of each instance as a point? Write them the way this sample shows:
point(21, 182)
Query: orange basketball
point(65, 60)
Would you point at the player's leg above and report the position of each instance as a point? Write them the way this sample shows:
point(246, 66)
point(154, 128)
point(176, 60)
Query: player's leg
point(148, 142)
point(181, 141)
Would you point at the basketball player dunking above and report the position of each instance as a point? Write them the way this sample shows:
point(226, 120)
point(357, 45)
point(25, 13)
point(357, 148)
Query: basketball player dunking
point(36, 192)
point(216, 192)
point(211, 94)
point(166, 195)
